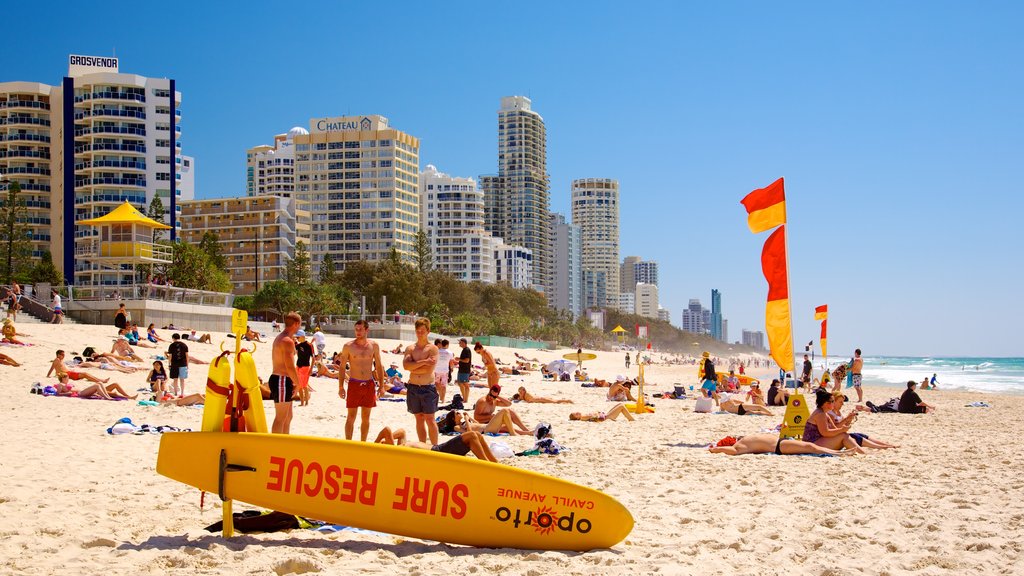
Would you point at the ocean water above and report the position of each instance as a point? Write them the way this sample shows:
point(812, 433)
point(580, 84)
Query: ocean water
point(997, 375)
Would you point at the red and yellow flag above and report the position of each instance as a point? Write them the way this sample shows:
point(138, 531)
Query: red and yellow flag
point(821, 312)
point(824, 338)
point(777, 314)
point(766, 207)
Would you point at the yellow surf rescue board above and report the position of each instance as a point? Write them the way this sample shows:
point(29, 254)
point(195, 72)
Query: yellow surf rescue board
point(399, 490)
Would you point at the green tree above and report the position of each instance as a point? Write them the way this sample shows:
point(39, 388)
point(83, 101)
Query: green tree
point(45, 271)
point(210, 244)
point(327, 274)
point(277, 296)
point(156, 212)
point(15, 244)
point(298, 270)
point(191, 268)
point(424, 259)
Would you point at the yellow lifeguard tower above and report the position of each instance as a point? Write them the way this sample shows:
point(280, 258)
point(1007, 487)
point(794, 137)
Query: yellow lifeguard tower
point(620, 333)
point(125, 238)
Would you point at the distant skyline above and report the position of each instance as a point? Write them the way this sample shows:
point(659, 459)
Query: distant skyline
point(898, 128)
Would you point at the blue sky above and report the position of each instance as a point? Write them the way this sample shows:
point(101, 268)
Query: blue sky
point(898, 128)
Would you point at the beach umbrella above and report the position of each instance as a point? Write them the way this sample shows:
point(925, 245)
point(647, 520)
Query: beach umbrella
point(560, 366)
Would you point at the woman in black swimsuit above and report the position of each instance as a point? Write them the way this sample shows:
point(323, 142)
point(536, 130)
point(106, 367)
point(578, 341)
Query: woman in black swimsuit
point(771, 443)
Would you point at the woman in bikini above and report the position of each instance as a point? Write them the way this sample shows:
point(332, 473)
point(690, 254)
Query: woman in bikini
point(768, 444)
point(613, 414)
point(836, 414)
point(525, 396)
point(104, 391)
point(735, 406)
point(501, 422)
point(821, 430)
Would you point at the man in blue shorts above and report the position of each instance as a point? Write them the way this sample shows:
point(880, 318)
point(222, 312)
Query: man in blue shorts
point(421, 394)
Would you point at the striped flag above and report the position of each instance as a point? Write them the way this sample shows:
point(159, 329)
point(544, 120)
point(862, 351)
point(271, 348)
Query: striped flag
point(821, 312)
point(778, 318)
point(766, 207)
point(824, 338)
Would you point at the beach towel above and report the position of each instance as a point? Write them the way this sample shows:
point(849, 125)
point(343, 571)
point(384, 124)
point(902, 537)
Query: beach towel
point(978, 404)
point(126, 426)
point(391, 399)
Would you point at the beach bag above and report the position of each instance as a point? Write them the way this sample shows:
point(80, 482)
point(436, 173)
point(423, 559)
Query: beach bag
point(704, 405)
point(501, 450)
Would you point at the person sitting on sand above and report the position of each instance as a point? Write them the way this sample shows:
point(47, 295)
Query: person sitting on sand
point(459, 421)
point(398, 349)
point(620, 391)
point(10, 333)
point(326, 371)
point(157, 379)
point(204, 339)
point(104, 391)
point(524, 396)
point(732, 383)
point(821, 430)
point(836, 414)
point(57, 366)
point(738, 407)
point(6, 360)
point(458, 446)
point(754, 394)
point(152, 336)
point(768, 444)
point(613, 414)
point(777, 395)
point(484, 409)
point(911, 403)
point(123, 350)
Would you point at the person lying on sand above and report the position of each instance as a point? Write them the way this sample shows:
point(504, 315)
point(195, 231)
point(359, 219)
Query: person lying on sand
point(189, 400)
point(105, 364)
point(524, 396)
point(614, 413)
point(500, 423)
point(767, 444)
point(734, 406)
point(6, 360)
point(458, 446)
point(57, 366)
point(106, 392)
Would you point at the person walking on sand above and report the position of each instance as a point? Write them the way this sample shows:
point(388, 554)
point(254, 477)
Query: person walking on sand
point(58, 312)
point(857, 368)
point(444, 361)
point(282, 381)
point(627, 360)
point(465, 369)
point(365, 379)
point(421, 394)
point(488, 359)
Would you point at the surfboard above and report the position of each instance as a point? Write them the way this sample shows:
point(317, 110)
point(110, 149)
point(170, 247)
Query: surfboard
point(580, 356)
point(398, 490)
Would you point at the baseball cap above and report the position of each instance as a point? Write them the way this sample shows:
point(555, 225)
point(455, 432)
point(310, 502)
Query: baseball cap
point(300, 334)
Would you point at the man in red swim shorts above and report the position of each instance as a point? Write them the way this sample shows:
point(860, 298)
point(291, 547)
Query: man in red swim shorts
point(365, 379)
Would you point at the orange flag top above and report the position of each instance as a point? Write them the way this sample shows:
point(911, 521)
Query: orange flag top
point(821, 312)
point(778, 317)
point(766, 207)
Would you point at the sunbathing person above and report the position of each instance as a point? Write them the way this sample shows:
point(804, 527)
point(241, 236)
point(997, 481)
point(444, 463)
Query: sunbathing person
point(484, 409)
point(500, 423)
point(325, 371)
point(105, 364)
point(57, 366)
point(614, 413)
point(821, 430)
point(734, 406)
point(6, 360)
point(836, 414)
point(525, 396)
point(398, 349)
point(190, 400)
point(123, 351)
point(754, 394)
point(106, 392)
point(252, 335)
point(10, 333)
point(458, 446)
point(777, 395)
point(620, 391)
point(768, 444)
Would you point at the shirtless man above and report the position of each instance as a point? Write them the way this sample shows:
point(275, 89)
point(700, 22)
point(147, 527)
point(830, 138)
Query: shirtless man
point(282, 381)
point(458, 446)
point(488, 360)
point(421, 394)
point(363, 356)
point(484, 408)
point(63, 373)
point(124, 350)
point(856, 369)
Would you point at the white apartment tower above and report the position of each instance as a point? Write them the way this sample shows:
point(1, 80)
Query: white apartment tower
point(516, 200)
point(513, 265)
point(567, 265)
point(595, 209)
point(647, 300)
point(359, 180)
point(270, 170)
point(452, 215)
point(111, 137)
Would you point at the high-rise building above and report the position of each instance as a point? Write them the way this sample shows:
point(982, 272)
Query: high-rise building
point(646, 271)
point(257, 235)
point(627, 302)
point(595, 289)
point(664, 314)
point(513, 265)
point(567, 265)
point(516, 200)
point(753, 339)
point(627, 274)
point(359, 179)
point(647, 300)
point(595, 209)
point(693, 318)
point(83, 147)
point(271, 169)
point(452, 215)
point(716, 314)
point(725, 329)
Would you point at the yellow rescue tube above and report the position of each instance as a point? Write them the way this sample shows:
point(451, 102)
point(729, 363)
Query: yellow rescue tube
point(248, 379)
point(218, 381)
point(646, 408)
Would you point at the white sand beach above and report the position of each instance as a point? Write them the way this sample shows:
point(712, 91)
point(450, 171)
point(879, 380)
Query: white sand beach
point(75, 500)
